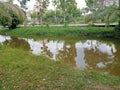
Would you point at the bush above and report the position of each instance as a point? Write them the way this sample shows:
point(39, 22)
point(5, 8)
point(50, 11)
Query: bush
point(117, 31)
point(90, 24)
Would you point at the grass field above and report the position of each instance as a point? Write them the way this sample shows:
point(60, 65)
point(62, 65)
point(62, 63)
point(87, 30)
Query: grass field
point(20, 70)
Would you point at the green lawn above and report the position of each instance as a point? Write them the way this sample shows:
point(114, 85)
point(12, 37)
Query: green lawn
point(20, 70)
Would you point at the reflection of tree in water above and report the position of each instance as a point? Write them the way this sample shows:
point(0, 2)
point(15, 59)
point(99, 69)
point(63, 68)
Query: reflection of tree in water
point(114, 68)
point(96, 57)
point(68, 54)
point(59, 50)
point(102, 61)
point(45, 48)
point(18, 43)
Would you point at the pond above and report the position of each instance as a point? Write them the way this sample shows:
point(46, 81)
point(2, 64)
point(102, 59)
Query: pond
point(93, 53)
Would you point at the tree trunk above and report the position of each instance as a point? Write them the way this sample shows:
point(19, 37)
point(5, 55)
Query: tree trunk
point(64, 18)
point(41, 20)
point(55, 17)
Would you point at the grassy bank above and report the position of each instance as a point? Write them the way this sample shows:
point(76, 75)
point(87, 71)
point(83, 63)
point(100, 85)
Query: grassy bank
point(20, 70)
point(61, 31)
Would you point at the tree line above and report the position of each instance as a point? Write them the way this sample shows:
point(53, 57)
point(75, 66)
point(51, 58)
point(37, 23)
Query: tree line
point(65, 11)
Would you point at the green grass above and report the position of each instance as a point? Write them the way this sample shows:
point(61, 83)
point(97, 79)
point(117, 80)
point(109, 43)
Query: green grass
point(61, 31)
point(20, 70)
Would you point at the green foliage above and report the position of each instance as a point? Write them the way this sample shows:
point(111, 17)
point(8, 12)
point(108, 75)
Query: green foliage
point(47, 25)
point(107, 15)
point(103, 11)
point(62, 31)
point(90, 24)
point(34, 15)
point(117, 31)
point(92, 4)
point(54, 17)
point(10, 15)
point(67, 7)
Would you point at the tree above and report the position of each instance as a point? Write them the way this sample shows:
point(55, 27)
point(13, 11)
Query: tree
point(34, 17)
point(84, 11)
point(55, 3)
point(43, 4)
point(105, 10)
point(92, 5)
point(23, 3)
point(10, 15)
point(95, 5)
point(67, 7)
point(72, 8)
point(62, 5)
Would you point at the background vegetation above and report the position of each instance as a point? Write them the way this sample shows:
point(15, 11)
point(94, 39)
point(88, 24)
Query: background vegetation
point(65, 11)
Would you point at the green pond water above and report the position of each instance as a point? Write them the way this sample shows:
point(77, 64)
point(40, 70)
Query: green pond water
point(98, 54)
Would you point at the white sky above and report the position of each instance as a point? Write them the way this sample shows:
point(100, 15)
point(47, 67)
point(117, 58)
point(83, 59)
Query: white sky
point(80, 4)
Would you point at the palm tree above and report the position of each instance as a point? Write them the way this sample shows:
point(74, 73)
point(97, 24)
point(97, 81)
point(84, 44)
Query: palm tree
point(10, 15)
point(4, 16)
point(107, 13)
point(110, 13)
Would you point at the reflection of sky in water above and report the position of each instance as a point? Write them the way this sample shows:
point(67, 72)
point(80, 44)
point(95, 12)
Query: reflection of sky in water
point(101, 65)
point(95, 45)
point(80, 62)
point(55, 47)
point(35, 46)
point(107, 49)
point(4, 38)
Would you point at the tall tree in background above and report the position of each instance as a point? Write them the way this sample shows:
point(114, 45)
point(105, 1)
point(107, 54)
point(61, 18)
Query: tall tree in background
point(62, 5)
point(23, 3)
point(55, 3)
point(92, 5)
point(84, 11)
point(43, 4)
point(72, 8)
point(67, 7)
